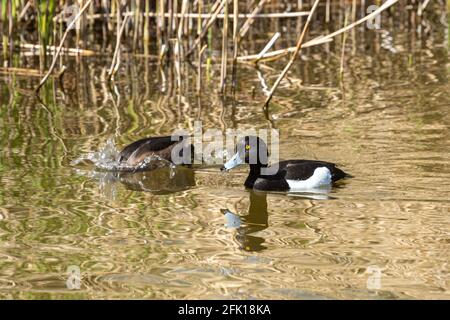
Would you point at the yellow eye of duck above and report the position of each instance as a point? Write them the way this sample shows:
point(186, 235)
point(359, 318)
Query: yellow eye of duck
point(247, 147)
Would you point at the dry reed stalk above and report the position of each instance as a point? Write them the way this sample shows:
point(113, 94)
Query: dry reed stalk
point(107, 9)
point(184, 8)
point(160, 21)
point(199, 19)
point(212, 9)
point(77, 32)
point(113, 14)
point(170, 20)
point(210, 15)
point(344, 40)
point(354, 10)
point(146, 33)
point(268, 46)
point(174, 17)
point(21, 71)
point(300, 19)
point(58, 51)
point(177, 53)
point(178, 46)
point(188, 23)
point(200, 52)
point(118, 27)
point(250, 19)
point(24, 10)
point(294, 55)
point(206, 28)
point(422, 7)
point(321, 39)
point(137, 22)
point(223, 69)
point(91, 23)
point(235, 42)
point(53, 49)
point(199, 69)
point(116, 57)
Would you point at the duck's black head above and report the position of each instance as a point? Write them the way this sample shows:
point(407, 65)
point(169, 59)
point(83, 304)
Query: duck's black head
point(251, 150)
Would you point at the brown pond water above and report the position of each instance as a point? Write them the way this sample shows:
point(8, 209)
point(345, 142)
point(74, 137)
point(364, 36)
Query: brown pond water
point(387, 124)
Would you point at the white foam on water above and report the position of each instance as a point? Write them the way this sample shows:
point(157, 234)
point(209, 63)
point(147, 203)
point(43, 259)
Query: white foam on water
point(106, 159)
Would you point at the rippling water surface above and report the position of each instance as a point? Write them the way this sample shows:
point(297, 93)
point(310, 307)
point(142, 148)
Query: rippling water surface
point(178, 233)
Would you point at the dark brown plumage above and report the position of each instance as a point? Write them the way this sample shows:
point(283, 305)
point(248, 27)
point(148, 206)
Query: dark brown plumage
point(136, 152)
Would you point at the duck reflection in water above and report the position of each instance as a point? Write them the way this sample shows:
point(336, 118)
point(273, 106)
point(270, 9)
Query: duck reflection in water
point(164, 180)
point(159, 181)
point(256, 220)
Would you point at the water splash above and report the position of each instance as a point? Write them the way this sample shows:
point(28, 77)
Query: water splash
point(107, 159)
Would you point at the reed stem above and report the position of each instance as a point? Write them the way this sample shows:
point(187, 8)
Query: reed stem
point(58, 51)
point(294, 54)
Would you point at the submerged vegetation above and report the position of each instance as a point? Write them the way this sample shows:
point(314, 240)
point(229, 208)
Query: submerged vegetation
point(176, 32)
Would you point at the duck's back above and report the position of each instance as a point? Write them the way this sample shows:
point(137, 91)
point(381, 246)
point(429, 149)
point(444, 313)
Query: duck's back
point(138, 150)
point(291, 171)
point(304, 169)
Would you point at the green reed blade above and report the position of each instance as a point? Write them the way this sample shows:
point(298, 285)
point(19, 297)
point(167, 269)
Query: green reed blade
point(46, 11)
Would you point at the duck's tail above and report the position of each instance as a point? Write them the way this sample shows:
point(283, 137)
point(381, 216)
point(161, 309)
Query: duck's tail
point(338, 174)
